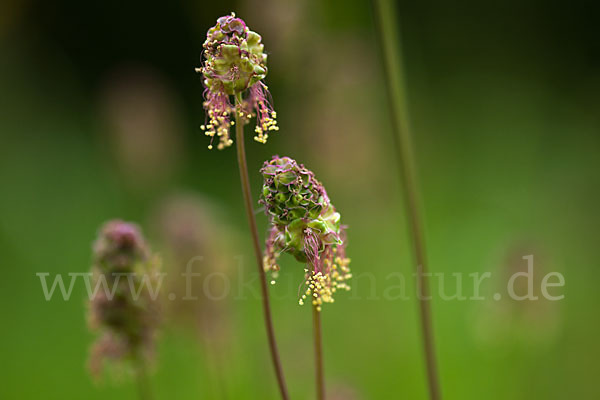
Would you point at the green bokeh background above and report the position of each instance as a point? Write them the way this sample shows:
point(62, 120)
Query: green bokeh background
point(504, 102)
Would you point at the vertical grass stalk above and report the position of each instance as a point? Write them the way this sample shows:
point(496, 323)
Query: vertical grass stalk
point(243, 167)
point(142, 381)
point(385, 14)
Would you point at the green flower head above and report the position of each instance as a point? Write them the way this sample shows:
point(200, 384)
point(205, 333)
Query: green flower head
point(234, 55)
point(306, 225)
point(235, 65)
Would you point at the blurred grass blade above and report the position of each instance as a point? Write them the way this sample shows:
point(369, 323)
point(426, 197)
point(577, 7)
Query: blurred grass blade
point(385, 16)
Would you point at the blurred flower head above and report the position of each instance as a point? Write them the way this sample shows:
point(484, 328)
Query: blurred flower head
point(194, 240)
point(234, 65)
point(305, 224)
point(138, 106)
point(122, 309)
point(531, 323)
point(343, 392)
point(119, 247)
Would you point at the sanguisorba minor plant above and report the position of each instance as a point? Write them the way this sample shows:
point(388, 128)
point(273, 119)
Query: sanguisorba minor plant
point(123, 310)
point(233, 68)
point(304, 223)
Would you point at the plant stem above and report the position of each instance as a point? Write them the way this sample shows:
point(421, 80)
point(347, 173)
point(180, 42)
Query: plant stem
point(141, 377)
point(320, 380)
point(241, 155)
point(390, 47)
point(214, 364)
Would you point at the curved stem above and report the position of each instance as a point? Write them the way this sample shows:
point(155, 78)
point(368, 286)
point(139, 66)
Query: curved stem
point(320, 379)
point(390, 47)
point(241, 155)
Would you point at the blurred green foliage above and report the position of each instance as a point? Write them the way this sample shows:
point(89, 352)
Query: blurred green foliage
point(504, 101)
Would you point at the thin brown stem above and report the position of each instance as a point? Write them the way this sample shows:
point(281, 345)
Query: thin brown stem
point(390, 47)
point(319, 377)
point(241, 155)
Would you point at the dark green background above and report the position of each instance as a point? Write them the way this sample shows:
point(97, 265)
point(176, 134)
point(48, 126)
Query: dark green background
point(504, 101)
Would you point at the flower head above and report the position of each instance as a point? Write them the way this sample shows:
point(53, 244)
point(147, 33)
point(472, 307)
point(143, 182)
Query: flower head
point(189, 226)
point(306, 225)
point(235, 64)
point(122, 309)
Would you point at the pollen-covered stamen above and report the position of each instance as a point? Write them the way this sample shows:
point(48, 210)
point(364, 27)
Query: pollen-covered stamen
point(271, 254)
point(340, 272)
point(219, 120)
point(312, 247)
point(330, 273)
point(266, 117)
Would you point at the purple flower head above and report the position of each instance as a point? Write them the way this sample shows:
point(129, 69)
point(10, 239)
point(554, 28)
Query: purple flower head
point(305, 224)
point(122, 309)
point(234, 66)
point(119, 246)
point(228, 25)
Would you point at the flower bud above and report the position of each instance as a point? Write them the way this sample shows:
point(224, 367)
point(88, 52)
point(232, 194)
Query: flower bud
point(306, 225)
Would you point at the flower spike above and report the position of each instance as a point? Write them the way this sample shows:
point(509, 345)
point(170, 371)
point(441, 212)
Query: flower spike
point(122, 310)
point(305, 224)
point(235, 65)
